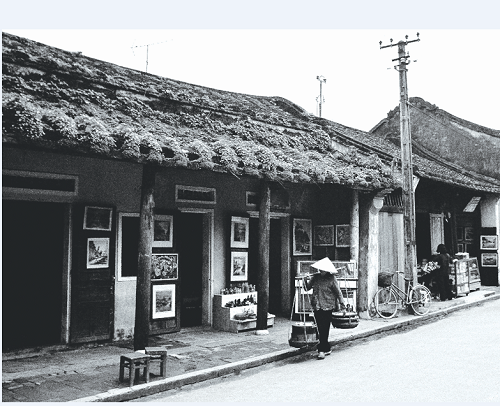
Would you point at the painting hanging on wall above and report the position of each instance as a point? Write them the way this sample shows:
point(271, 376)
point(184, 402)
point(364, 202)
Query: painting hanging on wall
point(239, 266)
point(302, 237)
point(489, 242)
point(163, 301)
point(343, 236)
point(97, 218)
point(489, 260)
point(239, 232)
point(324, 235)
point(97, 253)
point(164, 266)
point(163, 231)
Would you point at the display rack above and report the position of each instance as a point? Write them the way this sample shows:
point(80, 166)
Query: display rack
point(459, 276)
point(225, 318)
point(474, 276)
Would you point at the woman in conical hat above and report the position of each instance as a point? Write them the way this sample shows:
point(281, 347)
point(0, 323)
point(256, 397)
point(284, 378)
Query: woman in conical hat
point(326, 293)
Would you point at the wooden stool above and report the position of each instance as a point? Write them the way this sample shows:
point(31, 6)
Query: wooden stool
point(158, 354)
point(134, 362)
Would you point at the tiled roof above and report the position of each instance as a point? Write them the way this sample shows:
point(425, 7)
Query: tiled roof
point(68, 102)
point(446, 148)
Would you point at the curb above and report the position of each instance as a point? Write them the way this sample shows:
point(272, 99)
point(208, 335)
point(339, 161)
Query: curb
point(147, 389)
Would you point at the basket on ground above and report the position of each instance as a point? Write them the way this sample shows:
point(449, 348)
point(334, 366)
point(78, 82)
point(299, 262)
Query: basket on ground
point(384, 279)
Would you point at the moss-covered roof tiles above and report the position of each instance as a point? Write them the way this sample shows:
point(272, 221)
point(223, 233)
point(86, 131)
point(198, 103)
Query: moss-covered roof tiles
point(65, 101)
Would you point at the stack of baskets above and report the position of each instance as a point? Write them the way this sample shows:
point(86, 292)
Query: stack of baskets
point(384, 279)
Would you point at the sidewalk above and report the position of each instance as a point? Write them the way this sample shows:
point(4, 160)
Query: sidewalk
point(90, 374)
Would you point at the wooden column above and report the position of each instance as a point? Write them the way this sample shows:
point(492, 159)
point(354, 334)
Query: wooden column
point(354, 250)
point(263, 270)
point(146, 235)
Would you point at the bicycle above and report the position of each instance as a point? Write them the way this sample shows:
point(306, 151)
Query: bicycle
point(389, 296)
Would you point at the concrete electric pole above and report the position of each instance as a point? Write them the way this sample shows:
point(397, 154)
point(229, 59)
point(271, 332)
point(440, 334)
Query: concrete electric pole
point(406, 160)
point(322, 80)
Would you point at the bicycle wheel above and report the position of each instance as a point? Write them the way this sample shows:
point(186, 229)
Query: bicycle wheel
point(386, 303)
point(420, 299)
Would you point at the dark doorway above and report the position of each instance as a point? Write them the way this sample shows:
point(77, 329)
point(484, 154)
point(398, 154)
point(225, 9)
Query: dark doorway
point(423, 236)
point(189, 240)
point(32, 268)
point(274, 261)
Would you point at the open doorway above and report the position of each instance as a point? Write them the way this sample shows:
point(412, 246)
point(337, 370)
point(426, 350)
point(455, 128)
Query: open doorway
point(32, 272)
point(190, 247)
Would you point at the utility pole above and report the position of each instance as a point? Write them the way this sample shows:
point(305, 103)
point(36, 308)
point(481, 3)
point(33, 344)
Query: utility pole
point(406, 159)
point(322, 80)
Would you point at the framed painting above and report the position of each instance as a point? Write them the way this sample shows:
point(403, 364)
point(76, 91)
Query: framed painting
point(346, 269)
point(324, 235)
point(164, 267)
point(239, 232)
point(469, 233)
point(97, 218)
point(302, 237)
point(489, 260)
point(163, 231)
point(239, 266)
point(342, 235)
point(97, 253)
point(163, 301)
point(304, 268)
point(489, 242)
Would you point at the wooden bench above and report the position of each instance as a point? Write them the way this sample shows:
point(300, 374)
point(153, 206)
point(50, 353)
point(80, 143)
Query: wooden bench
point(134, 362)
point(158, 354)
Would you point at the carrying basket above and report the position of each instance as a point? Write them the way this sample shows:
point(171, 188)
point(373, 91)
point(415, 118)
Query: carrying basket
point(384, 279)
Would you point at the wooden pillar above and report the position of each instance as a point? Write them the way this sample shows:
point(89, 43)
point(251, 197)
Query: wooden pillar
point(354, 250)
point(263, 270)
point(146, 235)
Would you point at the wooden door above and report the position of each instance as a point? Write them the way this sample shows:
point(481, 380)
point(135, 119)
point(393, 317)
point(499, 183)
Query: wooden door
point(391, 242)
point(92, 285)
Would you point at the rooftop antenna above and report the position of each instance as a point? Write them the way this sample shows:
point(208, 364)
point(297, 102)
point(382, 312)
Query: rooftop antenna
point(322, 80)
point(147, 50)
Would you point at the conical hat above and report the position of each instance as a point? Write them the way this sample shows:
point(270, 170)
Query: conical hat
point(325, 265)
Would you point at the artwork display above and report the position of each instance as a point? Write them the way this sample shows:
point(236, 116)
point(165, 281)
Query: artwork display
point(302, 237)
point(97, 253)
point(239, 266)
point(164, 267)
point(163, 301)
point(489, 242)
point(489, 260)
point(304, 268)
point(163, 231)
point(239, 232)
point(469, 233)
point(346, 269)
point(324, 235)
point(97, 218)
point(343, 235)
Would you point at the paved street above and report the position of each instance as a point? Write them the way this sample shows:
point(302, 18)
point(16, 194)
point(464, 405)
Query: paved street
point(454, 359)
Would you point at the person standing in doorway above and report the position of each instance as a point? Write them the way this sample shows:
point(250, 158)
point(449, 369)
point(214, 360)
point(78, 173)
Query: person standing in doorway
point(326, 294)
point(444, 261)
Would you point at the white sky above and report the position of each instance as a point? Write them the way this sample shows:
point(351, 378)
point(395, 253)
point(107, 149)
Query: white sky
point(457, 67)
